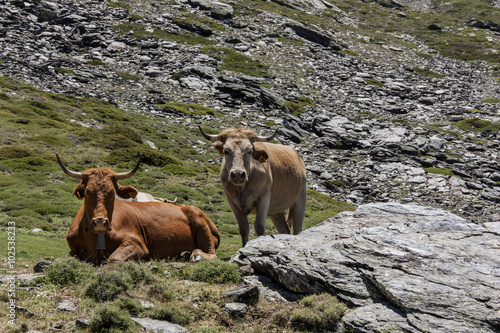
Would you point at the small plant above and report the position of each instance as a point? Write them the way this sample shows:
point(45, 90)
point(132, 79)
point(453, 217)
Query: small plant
point(440, 171)
point(132, 306)
point(128, 76)
point(109, 318)
point(491, 100)
point(296, 108)
point(60, 70)
point(107, 285)
point(316, 312)
point(477, 125)
point(374, 82)
point(237, 62)
point(68, 272)
point(176, 315)
point(217, 271)
point(96, 62)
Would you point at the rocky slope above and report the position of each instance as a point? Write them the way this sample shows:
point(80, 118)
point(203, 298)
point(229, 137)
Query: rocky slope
point(367, 116)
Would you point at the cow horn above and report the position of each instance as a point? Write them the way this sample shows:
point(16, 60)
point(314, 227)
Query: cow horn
point(70, 173)
point(129, 174)
point(266, 138)
point(208, 136)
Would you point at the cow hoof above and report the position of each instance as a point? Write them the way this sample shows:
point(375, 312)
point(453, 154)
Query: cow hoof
point(197, 258)
point(184, 256)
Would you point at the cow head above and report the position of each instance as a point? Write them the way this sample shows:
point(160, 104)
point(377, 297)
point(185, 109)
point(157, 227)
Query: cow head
point(99, 187)
point(239, 151)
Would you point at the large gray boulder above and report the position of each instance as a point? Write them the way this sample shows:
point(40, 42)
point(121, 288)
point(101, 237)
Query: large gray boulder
point(405, 268)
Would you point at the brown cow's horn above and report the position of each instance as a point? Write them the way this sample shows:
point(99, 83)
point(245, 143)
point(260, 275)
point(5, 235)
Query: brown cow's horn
point(266, 138)
point(129, 174)
point(208, 136)
point(70, 173)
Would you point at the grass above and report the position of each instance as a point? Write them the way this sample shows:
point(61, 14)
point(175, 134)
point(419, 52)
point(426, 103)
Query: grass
point(236, 62)
point(140, 32)
point(187, 109)
point(477, 125)
point(440, 171)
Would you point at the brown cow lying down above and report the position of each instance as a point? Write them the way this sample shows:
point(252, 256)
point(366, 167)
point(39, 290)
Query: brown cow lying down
point(134, 230)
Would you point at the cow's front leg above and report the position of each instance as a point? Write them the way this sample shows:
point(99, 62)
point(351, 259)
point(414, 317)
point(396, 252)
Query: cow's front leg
point(129, 250)
point(261, 214)
point(243, 226)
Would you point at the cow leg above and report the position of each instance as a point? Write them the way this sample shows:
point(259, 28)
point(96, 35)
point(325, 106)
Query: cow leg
point(243, 226)
point(280, 223)
point(262, 209)
point(206, 236)
point(297, 213)
point(130, 250)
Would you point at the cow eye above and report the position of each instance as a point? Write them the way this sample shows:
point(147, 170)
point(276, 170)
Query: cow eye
point(226, 152)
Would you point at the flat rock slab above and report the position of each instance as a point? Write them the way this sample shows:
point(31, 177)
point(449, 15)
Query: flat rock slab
point(159, 325)
point(405, 267)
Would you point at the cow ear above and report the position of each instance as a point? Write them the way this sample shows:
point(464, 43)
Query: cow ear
point(126, 192)
point(219, 146)
point(79, 191)
point(260, 155)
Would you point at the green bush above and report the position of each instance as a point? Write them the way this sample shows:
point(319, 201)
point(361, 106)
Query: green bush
point(69, 271)
point(114, 279)
point(126, 303)
point(109, 318)
point(477, 125)
point(30, 163)
point(107, 285)
point(319, 311)
point(217, 271)
point(440, 171)
point(172, 314)
point(9, 152)
point(149, 156)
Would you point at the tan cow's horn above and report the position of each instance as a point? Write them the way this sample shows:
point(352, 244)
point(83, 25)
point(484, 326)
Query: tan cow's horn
point(129, 174)
point(266, 138)
point(208, 136)
point(70, 173)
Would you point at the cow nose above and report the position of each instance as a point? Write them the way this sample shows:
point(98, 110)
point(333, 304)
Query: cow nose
point(100, 224)
point(238, 175)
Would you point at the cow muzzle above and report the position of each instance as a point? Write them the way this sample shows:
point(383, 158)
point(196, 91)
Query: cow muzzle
point(238, 177)
point(99, 225)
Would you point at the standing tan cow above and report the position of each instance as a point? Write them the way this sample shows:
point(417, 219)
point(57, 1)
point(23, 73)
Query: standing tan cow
point(134, 230)
point(261, 178)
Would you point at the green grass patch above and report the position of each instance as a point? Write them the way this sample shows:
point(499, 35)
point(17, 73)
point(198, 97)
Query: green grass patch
point(237, 62)
point(69, 271)
point(491, 100)
point(296, 107)
point(139, 31)
point(128, 76)
point(440, 171)
point(187, 108)
point(316, 312)
point(216, 271)
point(31, 246)
point(60, 70)
point(110, 318)
point(373, 82)
point(477, 125)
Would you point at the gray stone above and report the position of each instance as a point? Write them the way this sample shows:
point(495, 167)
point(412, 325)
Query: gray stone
point(159, 325)
point(405, 264)
point(66, 305)
point(236, 309)
point(247, 294)
point(217, 9)
point(41, 265)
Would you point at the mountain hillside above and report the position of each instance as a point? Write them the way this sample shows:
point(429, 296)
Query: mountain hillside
point(385, 100)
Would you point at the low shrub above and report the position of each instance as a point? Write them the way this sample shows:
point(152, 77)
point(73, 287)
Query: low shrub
point(69, 271)
point(114, 279)
point(107, 285)
point(109, 318)
point(176, 315)
point(150, 156)
point(126, 303)
point(440, 171)
point(8, 152)
point(316, 312)
point(216, 271)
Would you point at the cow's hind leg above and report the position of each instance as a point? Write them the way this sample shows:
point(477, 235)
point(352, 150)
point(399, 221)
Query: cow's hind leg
point(205, 235)
point(297, 213)
point(280, 223)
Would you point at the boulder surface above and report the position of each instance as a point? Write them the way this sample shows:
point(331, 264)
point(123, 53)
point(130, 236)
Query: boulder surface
point(406, 268)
